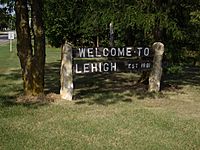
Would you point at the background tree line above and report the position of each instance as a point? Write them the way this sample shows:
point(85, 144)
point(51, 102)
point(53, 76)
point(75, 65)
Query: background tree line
point(83, 22)
point(86, 23)
point(7, 20)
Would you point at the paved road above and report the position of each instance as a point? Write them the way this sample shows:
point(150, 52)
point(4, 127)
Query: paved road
point(3, 39)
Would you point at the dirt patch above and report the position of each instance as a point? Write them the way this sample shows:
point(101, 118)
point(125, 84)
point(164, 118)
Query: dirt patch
point(49, 98)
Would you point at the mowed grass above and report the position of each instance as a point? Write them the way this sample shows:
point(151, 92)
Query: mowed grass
point(109, 111)
point(8, 60)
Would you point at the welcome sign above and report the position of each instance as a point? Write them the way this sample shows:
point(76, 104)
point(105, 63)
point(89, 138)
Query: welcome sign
point(99, 60)
point(117, 59)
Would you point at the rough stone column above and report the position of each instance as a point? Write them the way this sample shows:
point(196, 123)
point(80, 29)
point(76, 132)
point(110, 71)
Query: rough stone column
point(66, 75)
point(156, 72)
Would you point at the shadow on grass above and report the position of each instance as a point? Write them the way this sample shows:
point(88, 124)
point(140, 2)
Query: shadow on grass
point(189, 76)
point(11, 89)
point(103, 89)
point(10, 101)
point(10, 82)
point(110, 88)
point(99, 88)
point(52, 77)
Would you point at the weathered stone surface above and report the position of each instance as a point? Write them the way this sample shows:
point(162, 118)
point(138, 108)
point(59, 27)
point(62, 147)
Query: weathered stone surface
point(66, 79)
point(156, 72)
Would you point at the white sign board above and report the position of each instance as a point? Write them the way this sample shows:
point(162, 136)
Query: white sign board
point(11, 35)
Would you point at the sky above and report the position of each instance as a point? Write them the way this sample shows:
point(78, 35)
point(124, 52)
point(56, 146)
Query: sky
point(4, 5)
point(1, 6)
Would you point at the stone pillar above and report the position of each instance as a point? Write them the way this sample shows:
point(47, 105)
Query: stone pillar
point(156, 72)
point(66, 75)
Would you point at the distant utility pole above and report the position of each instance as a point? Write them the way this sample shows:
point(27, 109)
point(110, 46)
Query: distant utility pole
point(11, 36)
point(111, 35)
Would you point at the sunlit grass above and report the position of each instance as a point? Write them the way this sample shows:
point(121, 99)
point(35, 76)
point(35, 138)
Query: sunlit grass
point(109, 112)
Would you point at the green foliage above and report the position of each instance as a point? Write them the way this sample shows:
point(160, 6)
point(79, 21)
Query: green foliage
point(195, 17)
point(175, 69)
point(5, 18)
point(175, 23)
point(195, 25)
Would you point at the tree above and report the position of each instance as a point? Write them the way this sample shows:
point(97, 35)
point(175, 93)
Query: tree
point(32, 57)
point(7, 18)
point(174, 23)
point(4, 22)
point(195, 24)
point(63, 21)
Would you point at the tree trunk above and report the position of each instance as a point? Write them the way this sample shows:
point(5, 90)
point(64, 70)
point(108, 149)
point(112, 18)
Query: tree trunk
point(24, 47)
point(32, 63)
point(39, 46)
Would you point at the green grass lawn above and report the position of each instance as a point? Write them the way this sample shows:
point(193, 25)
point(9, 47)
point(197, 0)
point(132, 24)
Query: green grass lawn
point(109, 111)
